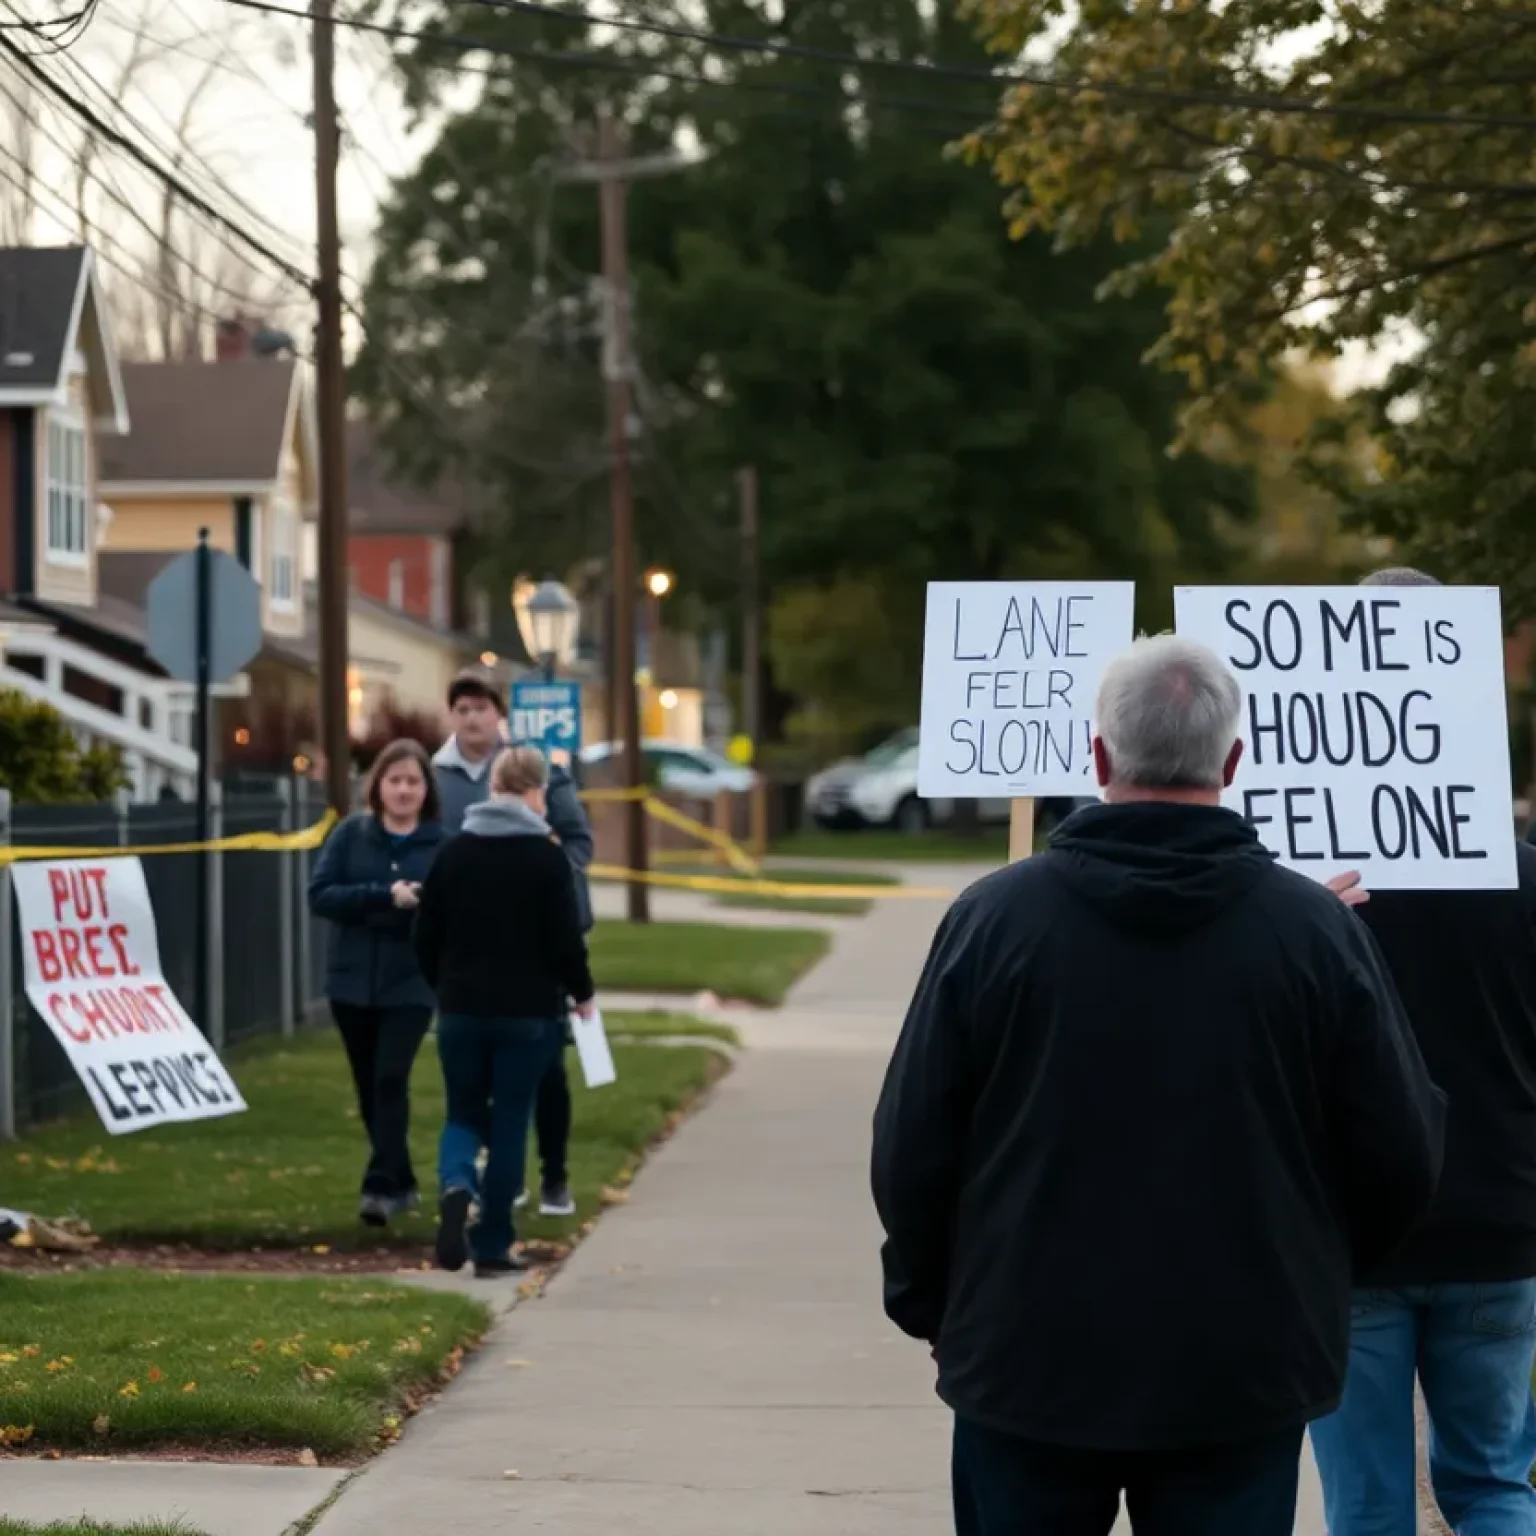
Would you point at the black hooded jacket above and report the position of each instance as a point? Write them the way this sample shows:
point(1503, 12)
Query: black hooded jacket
point(1154, 1097)
point(1465, 965)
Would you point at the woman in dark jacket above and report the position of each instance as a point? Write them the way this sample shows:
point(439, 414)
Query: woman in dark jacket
point(366, 882)
point(500, 938)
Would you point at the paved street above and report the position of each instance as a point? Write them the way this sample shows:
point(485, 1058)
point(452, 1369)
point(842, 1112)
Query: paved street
point(714, 1359)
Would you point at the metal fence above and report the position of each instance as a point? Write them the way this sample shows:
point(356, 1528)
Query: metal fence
point(267, 954)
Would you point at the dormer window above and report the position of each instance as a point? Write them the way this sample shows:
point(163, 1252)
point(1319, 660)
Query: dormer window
point(69, 529)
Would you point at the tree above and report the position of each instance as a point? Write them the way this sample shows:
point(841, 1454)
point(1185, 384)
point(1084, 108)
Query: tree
point(1320, 174)
point(42, 763)
point(823, 292)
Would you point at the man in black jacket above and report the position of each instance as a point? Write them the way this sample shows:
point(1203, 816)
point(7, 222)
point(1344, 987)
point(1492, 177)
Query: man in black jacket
point(1154, 1097)
point(1455, 1305)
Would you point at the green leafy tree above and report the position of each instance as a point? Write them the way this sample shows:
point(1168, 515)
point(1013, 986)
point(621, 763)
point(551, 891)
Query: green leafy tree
point(42, 763)
point(824, 292)
point(1317, 176)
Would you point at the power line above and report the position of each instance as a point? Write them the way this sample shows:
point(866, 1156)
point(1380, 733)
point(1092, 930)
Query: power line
point(1166, 95)
point(94, 120)
point(613, 64)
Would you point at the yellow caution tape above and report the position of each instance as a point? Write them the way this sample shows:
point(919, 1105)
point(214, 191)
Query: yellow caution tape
point(740, 859)
point(243, 842)
point(786, 890)
point(610, 796)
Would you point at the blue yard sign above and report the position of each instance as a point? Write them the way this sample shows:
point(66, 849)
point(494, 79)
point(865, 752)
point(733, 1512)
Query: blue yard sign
point(546, 715)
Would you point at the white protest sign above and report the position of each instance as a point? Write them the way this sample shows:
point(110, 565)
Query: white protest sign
point(1374, 728)
point(1010, 672)
point(91, 961)
point(597, 1068)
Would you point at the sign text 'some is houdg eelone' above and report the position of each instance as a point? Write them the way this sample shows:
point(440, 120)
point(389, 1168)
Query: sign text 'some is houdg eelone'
point(1374, 727)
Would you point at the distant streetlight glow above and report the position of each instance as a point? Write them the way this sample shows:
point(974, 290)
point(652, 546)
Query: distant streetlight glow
point(658, 583)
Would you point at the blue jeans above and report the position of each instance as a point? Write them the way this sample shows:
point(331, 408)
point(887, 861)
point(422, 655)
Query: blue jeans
point(1005, 1486)
point(1472, 1348)
point(491, 1070)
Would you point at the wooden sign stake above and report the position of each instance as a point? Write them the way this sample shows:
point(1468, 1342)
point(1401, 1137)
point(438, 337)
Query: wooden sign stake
point(1021, 830)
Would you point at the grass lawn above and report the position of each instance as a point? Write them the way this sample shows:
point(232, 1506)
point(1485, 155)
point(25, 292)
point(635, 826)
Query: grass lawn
point(756, 965)
point(826, 906)
point(639, 1026)
point(988, 846)
point(90, 1528)
point(286, 1174)
point(121, 1358)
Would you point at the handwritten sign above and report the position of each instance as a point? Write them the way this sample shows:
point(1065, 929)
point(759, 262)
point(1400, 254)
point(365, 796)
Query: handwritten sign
point(91, 959)
point(1010, 672)
point(1374, 728)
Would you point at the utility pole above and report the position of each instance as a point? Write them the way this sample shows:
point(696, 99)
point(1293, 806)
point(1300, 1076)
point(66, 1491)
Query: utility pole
point(613, 197)
point(751, 609)
point(331, 416)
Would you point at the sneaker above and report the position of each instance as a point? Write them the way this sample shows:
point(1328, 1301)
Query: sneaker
point(403, 1205)
point(522, 1199)
point(452, 1229)
point(557, 1200)
point(373, 1210)
point(499, 1269)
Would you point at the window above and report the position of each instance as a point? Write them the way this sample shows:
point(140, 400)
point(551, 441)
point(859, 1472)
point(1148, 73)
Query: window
point(68, 525)
point(280, 586)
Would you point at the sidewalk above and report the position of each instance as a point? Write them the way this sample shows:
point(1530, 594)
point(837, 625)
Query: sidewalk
point(714, 1361)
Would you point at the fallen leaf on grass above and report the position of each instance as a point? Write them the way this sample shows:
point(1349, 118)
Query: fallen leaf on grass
point(307, 1458)
point(101, 1425)
point(611, 1196)
point(129, 1389)
point(155, 1374)
point(15, 1434)
point(191, 1386)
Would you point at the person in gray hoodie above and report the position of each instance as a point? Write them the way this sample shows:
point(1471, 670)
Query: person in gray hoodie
point(499, 939)
point(463, 765)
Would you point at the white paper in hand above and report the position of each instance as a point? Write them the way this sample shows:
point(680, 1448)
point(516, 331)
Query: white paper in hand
point(592, 1047)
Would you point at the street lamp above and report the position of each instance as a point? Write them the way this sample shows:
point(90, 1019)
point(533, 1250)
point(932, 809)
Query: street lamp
point(549, 619)
point(658, 583)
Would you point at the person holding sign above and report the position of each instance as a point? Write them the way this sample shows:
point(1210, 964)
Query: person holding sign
point(1154, 1097)
point(500, 937)
point(1455, 1306)
point(366, 882)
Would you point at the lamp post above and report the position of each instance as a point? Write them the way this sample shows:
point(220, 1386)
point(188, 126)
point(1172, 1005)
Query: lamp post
point(549, 620)
point(657, 584)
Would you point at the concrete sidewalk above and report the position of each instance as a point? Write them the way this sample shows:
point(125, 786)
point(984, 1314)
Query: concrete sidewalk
point(714, 1359)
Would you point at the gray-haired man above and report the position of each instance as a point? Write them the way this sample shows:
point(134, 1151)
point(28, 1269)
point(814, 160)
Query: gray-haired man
point(1155, 1097)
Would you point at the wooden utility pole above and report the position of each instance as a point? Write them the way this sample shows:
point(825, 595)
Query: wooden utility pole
point(331, 414)
point(613, 196)
point(751, 610)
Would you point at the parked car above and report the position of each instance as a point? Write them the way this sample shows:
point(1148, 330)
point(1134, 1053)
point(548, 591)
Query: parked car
point(828, 794)
point(684, 770)
point(880, 790)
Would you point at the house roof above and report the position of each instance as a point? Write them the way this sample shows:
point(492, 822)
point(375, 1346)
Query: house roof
point(380, 502)
point(197, 426)
point(50, 308)
point(124, 575)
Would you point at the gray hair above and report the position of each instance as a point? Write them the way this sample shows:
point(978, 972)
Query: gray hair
point(1168, 713)
point(1398, 576)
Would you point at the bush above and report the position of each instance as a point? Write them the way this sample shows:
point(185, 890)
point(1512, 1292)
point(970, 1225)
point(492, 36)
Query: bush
point(41, 763)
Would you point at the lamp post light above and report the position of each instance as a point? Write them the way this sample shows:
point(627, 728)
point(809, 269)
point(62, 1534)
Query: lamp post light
point(549, 620)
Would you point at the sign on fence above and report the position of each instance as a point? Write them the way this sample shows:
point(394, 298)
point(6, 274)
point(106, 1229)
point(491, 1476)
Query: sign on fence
point(1010, 672)
point(91, 961)
point(1374, 728)
point(547, 716)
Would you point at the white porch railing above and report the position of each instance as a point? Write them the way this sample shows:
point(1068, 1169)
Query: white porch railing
point(154, 728)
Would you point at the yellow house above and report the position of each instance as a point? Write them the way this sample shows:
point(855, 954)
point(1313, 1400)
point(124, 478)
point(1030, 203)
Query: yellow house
point(228, 446)
point(400, 661)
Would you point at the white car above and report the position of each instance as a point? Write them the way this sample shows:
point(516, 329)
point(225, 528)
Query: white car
point(880, 790)
point(684, 770)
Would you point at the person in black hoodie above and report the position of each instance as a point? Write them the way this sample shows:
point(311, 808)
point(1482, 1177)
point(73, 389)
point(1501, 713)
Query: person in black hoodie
point(365, 881)
point(1456, 1304)
point(499, 934)
point(1154, 1098)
